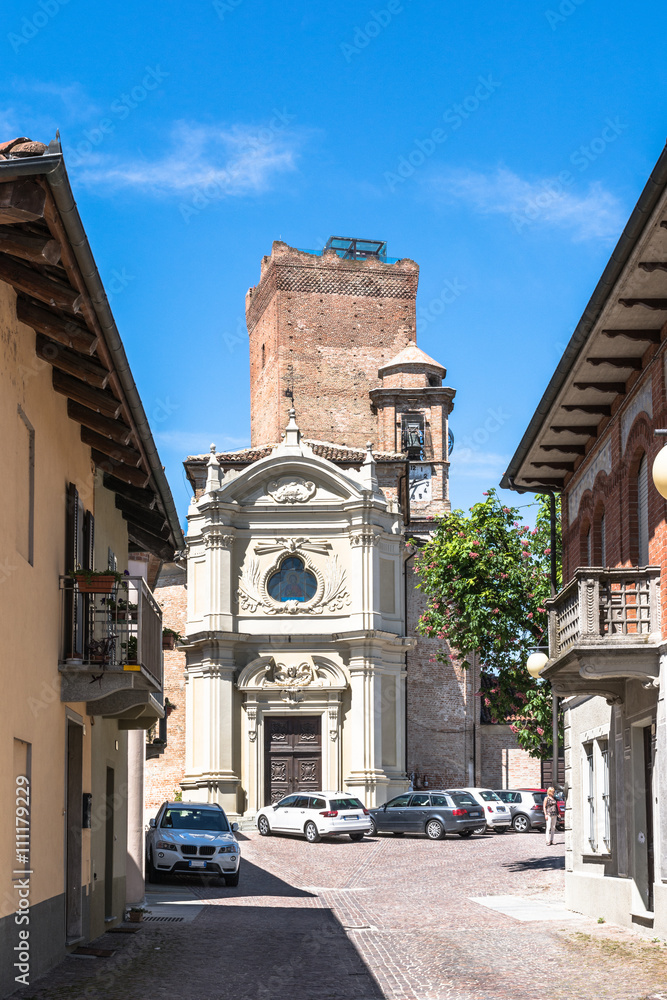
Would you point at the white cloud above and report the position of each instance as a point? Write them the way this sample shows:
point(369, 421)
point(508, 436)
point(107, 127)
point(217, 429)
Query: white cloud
point(593, 214)
point(225, 162)
point(77, 105)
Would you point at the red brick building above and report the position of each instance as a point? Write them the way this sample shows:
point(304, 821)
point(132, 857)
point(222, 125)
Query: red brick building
point(592, 439)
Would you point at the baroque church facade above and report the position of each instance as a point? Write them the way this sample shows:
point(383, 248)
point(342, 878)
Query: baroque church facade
point(303, 669)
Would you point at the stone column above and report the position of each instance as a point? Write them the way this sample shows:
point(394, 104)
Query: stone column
point(364, 726)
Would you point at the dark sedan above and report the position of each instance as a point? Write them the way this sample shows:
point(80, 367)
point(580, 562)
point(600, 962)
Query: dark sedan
point(433, 813)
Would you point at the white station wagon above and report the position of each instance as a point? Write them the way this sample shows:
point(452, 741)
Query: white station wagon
point(316, 815)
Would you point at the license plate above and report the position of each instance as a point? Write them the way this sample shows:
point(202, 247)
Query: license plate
point(475, 815)
point(350, 817)
point(197, 864)
point(501, 809)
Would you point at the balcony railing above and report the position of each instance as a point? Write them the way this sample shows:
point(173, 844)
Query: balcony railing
point(117, 632)
point(609, 607)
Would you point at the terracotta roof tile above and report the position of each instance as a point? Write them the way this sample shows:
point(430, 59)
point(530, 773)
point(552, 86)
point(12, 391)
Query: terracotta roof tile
point(324, 449)
point(22, 146)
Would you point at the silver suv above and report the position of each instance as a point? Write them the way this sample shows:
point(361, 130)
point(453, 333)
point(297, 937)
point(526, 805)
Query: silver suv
point(525, 808)
point(194, 838)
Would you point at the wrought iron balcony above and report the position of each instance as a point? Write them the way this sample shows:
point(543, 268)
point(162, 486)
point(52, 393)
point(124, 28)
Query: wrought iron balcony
point(595, 621)
point(114, 646)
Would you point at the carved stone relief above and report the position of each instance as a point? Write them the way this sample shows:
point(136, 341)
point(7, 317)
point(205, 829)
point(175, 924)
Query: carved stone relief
point(331, 594)
point(291, 489)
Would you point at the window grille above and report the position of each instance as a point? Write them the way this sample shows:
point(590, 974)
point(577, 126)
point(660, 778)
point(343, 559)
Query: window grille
point(606, 810)
point(591, 795)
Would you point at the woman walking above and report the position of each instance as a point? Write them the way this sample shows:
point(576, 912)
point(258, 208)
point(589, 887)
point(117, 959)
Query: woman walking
point(550, 808)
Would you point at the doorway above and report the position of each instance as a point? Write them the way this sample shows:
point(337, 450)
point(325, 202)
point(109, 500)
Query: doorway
point(648, 798)
point(292, 755)
point(108, 846)
point(73, 819)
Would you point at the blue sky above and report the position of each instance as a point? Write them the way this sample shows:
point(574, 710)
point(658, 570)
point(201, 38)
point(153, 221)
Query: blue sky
point(502, 146)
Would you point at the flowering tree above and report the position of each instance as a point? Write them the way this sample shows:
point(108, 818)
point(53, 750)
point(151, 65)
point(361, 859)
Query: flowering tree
point(486, 576)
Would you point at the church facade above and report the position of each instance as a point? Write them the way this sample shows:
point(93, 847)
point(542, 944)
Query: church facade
point(303, 668)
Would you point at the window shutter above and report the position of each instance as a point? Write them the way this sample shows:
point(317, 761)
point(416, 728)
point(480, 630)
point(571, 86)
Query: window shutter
point(89, 540)
point(642, 512)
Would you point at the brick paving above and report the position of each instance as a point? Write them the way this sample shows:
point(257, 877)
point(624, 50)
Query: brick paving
point(386, 919)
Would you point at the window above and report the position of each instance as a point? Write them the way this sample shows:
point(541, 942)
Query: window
point(302, 802)
point(642, 513)
point(420, 800)
point(286, 802)
point(350, 803)
point(292, 582)
point(400, 802)
point(590, 793)
point(441, 800)
point(603, 542)
point(487, 796)
point(606, 810)
point(318, 803)
point(178, 818)
point(412, 435)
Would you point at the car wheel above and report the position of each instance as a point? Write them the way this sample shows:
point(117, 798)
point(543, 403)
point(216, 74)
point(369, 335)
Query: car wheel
point(232, 879)
point(312, 836)
point(435, 830)
point(466, 833)
point(521, 824)
point(356, 837)
point(263, 827)
point(373, 832)
point(480, 829)
point(154, 876)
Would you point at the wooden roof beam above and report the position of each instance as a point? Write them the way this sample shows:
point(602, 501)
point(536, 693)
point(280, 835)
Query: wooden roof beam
point(29, 246)
point(80, 392)
point(145, 498)
point(572, 449)
point(650, 303)
point(113, 429)
point(74, 364)
point(118, 452)
point(39, 286)
point(21, 201)
point(152, 520)
point(615, 387)
point(634, 363)
point(587, 431)
point(128, 473)
point(555, 483)
point(593, 408)
point(650, 336)
point(564, 466)
point(66, 331)
point(149, 542)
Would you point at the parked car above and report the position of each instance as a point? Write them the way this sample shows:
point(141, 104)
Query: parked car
point(434, 813)
point(496, 814)
point(525, 808)
point(560, 802)
point(316, 815)
point(189, 837)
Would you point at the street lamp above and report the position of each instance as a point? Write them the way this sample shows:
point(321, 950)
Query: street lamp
point(536, 663)
point(660, 468)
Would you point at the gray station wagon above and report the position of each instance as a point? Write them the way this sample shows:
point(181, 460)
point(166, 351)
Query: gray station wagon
point(525, 808)
point(433, 813)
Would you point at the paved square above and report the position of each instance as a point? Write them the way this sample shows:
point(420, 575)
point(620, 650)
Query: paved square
point(391, 918)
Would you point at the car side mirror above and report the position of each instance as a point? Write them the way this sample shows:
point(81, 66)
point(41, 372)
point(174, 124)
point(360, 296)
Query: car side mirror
point(151, 823)
point(235, 827)
point(385, 807)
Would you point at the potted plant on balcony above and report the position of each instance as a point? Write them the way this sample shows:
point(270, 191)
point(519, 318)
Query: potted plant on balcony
point(168, 707)
point(170, 637)
point(92, 581)
point(131, 657)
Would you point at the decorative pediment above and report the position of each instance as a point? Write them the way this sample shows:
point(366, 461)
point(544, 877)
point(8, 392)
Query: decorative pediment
point(291, 675)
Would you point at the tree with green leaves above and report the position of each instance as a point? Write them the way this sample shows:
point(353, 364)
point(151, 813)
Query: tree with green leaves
point(486, 576)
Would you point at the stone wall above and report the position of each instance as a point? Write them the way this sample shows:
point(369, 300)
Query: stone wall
point(502, 763)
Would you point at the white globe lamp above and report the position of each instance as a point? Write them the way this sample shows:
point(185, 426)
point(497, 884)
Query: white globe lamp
point(536, 663)
point(660, 472)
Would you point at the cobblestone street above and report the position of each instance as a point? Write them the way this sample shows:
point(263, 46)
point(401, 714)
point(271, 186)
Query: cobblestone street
point(387, 918)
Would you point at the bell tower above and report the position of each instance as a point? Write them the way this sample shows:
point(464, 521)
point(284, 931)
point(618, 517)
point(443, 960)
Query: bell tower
point(321, 324)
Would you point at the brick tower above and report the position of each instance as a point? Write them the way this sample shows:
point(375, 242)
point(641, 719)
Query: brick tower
point(321, 325)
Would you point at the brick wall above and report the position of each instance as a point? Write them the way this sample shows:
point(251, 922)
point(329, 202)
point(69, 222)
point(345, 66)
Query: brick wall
point(613, 493)
point(503, 764)
point(163, 774)
point(323, 326)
